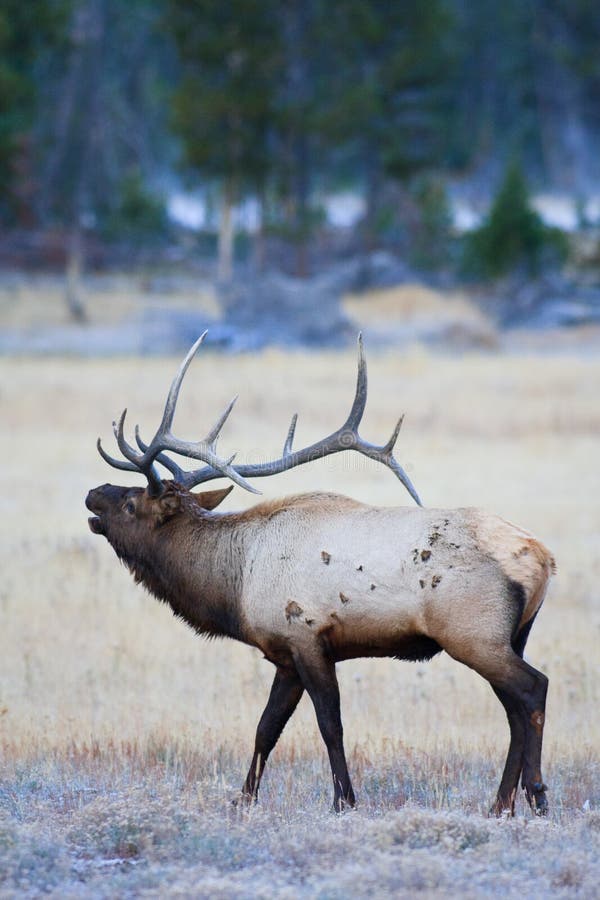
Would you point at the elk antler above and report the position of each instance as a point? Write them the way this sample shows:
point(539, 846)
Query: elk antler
point(204, 450)
point(345, 438)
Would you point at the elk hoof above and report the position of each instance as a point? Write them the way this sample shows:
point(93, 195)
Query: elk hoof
point(537, 799)
point(244, 800)
point(502, 809)
point(342, 805)
point(540, 804)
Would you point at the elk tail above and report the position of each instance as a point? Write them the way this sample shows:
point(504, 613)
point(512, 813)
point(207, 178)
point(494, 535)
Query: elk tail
point(533, 595)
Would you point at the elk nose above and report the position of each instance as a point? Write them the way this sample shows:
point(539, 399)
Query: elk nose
point(91, 501)
point(100, 498)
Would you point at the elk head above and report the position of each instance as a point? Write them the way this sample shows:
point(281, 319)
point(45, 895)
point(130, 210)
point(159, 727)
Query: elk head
point(132, 518)
point(126, 516)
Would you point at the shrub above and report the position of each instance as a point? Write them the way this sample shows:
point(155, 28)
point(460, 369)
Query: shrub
point(432, 235)
point(138, 213)
point(513, 236)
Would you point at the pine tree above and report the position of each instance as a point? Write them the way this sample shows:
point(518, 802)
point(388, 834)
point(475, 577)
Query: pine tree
point(513, 236)
point(100, 122)
point(224, 106)
point(388, 65)
point(28, 32)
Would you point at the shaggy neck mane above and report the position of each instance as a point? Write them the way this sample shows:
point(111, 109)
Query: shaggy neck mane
point(190, 567)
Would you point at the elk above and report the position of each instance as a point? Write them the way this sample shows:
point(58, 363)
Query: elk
point(317, 578)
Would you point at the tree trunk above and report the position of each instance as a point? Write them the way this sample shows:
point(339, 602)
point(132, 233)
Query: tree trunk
point(259, 237)
point(373, 179)
point(298, 98)
point(73, 272)
point(226, 234)
point(301, 192)
point(562, 133)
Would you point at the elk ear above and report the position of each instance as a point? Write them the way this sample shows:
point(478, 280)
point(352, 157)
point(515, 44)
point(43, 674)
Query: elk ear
point(211, 499)
point(168, 504)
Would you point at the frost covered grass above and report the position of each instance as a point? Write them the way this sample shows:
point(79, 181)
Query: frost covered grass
point(106, 824)
point(124, 738)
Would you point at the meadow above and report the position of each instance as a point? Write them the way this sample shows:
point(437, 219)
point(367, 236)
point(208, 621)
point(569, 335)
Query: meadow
point(124, 737)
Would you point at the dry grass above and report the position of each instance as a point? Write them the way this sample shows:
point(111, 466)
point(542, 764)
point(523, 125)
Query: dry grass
point(124, 737)
point(30, 302)
point(400, 305)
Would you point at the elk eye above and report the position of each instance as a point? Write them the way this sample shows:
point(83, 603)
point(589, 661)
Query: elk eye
point(130, 507)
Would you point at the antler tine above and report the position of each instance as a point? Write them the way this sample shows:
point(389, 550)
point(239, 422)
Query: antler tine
point(173, 395)
point(179, 474)
point(213, 435)
point(162, 458)
point(360, 397)
point(393, 464)
point(117, 463)
point(287, 447)
point(142, 462)
point(201, 451)
point(126, 449)
point(388, 448)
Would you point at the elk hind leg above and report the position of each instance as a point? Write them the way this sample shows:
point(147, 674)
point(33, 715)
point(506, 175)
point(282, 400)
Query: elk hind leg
point(286, 692)
point(535, 709)
point(505, 799)
point(524, 689)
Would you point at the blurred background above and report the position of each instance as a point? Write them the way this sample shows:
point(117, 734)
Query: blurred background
point(251, 165)
point(286, 174)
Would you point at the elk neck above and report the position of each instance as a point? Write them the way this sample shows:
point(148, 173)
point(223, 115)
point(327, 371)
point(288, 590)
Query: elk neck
point(196, 566)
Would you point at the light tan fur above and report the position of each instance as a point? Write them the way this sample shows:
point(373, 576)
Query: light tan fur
point(522, 557)
point(367, 578)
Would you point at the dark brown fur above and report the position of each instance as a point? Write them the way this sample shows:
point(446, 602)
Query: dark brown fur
point(207, 601)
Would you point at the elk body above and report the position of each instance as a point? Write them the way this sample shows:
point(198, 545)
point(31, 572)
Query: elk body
point(314, 579)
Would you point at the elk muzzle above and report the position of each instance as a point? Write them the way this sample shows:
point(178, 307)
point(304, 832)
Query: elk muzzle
point(99, 501)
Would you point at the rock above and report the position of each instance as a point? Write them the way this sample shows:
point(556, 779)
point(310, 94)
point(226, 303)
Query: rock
point(552, 301)
point(277, 309)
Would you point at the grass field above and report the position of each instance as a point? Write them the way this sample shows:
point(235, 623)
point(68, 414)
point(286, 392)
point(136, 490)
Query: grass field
point(124, 737)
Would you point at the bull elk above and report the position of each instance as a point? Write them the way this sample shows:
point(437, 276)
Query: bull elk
point(317, 578)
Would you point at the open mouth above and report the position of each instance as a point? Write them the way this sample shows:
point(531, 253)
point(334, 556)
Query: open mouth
point(95, 524)
point(92, 501)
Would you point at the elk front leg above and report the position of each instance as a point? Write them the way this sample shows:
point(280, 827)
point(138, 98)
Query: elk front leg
point(319, 678)
point(286, 691)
